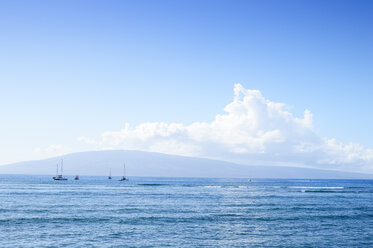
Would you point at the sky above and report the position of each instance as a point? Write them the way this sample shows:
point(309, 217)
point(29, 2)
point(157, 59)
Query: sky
point(170, 76)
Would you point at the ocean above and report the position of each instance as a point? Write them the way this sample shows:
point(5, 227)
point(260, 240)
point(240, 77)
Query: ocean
point(36, 211)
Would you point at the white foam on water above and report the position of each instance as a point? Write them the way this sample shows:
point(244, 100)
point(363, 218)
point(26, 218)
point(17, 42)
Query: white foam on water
point(308, 187)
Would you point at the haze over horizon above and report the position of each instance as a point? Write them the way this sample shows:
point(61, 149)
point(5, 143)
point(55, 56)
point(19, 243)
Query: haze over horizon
point(158, 77)
point(150, 164)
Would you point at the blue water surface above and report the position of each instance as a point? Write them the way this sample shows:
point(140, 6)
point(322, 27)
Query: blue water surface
point(36, 211)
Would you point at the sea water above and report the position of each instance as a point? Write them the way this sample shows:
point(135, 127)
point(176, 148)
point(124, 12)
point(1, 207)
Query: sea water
point(36, 211)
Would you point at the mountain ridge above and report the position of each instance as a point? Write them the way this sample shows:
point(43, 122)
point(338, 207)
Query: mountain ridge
point(139, 163)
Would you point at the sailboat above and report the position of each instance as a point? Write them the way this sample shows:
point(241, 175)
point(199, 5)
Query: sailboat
point(59, 176)
point(123, 178)
point(109, 177)
point(76, 177)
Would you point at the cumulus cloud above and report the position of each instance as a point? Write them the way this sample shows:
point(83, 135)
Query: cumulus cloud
point(253, 130)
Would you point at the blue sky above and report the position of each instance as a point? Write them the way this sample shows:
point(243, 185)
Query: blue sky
point(80, 68)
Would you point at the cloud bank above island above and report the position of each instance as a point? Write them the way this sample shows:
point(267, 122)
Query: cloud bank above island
point(253, 131)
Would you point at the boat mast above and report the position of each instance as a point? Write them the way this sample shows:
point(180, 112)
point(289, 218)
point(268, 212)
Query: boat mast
point(124, 170)
point(61, 166)
point(57, 170)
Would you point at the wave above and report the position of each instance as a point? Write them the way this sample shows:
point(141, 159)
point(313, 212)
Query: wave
point(329, 191)
point(313, 187)
point(153, 184)
point(35, 220)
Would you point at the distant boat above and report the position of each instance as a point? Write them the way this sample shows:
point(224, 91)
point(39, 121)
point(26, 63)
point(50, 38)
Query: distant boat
point(59, 176)
point(123, 178)
point(109, 177)
point(76, 177)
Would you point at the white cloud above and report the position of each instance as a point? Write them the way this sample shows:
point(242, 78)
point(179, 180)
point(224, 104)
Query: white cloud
point(253, 130)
